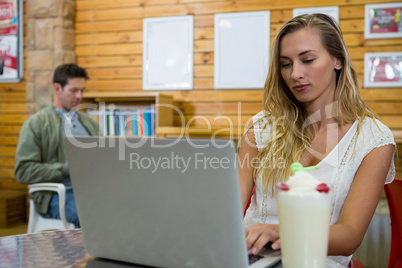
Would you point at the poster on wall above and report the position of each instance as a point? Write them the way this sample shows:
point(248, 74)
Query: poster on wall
point(8, 56)
point(11, 49)
point(168, 53)
point(383, 21)
point(241, 54)
point(332, 11)
point(383, 69)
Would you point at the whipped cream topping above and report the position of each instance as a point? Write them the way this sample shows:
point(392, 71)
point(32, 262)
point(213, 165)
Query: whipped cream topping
point(302, 182)
point(304, 190)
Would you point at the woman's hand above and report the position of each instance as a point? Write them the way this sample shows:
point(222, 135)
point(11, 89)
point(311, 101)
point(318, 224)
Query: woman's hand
point(258, 235)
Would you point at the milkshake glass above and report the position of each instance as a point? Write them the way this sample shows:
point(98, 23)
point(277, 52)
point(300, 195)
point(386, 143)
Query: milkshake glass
point(304, 205)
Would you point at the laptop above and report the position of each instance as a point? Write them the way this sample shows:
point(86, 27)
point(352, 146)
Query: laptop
point(161, 202)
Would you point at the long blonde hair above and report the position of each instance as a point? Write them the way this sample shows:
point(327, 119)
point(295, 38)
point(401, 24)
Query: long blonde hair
point(286, 115)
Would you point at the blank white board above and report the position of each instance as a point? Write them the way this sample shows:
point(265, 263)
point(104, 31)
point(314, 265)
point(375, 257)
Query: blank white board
point(241, 50)
point(168, 53)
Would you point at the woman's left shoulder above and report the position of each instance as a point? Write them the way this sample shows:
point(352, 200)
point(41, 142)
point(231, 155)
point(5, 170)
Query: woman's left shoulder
point(374, 125)
point(376, 129)
point(375, 134)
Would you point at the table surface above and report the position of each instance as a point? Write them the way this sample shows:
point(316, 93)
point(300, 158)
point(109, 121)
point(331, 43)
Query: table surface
point(59, 249)
point(52, 249)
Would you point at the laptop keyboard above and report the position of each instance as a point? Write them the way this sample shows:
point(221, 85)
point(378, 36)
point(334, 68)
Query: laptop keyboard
point(253, 258)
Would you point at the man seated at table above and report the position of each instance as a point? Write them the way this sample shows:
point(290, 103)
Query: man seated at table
point(40, 154)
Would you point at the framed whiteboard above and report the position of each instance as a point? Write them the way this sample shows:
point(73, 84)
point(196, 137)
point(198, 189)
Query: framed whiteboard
point(241, 50)
point(168, 53)
point(332, 11)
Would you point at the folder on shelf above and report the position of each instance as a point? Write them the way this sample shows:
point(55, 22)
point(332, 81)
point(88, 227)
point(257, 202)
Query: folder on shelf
point(122, 122)
point(102, 122)
point(149, 122)
point(110, 123)
point(116, 123)
point(135, 122)
point(129, 123)
point(140, 123)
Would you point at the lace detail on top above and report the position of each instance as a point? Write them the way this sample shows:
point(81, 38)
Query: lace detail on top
point(339, 172)
point(264, 210)
point(261, 129)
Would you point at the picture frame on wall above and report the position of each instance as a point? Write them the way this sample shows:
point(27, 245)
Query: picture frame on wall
point(168, 53)
point(383, 69)
point(11, 41)
point(332, 11)
point(383, 21)
point(241, 54)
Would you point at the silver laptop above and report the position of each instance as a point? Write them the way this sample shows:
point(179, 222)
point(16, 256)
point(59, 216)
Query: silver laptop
point(160, 202)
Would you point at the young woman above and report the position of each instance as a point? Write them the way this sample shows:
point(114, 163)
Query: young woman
point(313, 114)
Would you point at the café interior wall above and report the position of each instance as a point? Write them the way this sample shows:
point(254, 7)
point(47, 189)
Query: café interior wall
point(108, 38)
point(108, 42)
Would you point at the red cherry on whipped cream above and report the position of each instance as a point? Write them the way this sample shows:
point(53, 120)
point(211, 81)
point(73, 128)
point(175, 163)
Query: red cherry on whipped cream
point(283, 187)
point(322, 188)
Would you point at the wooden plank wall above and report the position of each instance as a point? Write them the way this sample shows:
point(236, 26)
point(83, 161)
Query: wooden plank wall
point(13, 113)
point(109, 43)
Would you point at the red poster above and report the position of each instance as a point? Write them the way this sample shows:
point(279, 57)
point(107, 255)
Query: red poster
point(8, 56)
point(9, 41)
point(8, 17)
point(383, 69)
point(385, 20)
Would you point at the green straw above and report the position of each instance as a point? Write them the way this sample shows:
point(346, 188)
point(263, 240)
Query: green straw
point(299, 167)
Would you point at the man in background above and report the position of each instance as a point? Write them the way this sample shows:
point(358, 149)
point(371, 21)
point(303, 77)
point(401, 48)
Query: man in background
point(40, 154)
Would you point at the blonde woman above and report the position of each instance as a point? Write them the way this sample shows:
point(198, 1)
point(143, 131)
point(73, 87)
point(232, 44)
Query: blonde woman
point(313, 114)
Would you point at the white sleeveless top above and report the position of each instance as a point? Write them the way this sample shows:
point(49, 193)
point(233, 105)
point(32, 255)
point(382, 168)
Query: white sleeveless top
point(337, 169)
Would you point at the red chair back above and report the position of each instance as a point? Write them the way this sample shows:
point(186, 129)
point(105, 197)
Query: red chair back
point(393, 192)
point(249, 202)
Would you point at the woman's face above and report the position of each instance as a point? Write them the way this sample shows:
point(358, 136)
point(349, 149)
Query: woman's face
point(307, 67)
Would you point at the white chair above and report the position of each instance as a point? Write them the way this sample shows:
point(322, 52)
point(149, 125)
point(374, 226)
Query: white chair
point(37, 222)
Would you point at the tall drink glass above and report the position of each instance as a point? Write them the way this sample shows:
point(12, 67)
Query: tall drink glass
point(304, 206)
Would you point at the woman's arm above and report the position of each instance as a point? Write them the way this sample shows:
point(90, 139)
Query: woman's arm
point(347, 234)
point(247, 152)
point(259, 234)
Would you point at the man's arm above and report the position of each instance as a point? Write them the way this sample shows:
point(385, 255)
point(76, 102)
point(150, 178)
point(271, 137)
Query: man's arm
point(29, 166)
